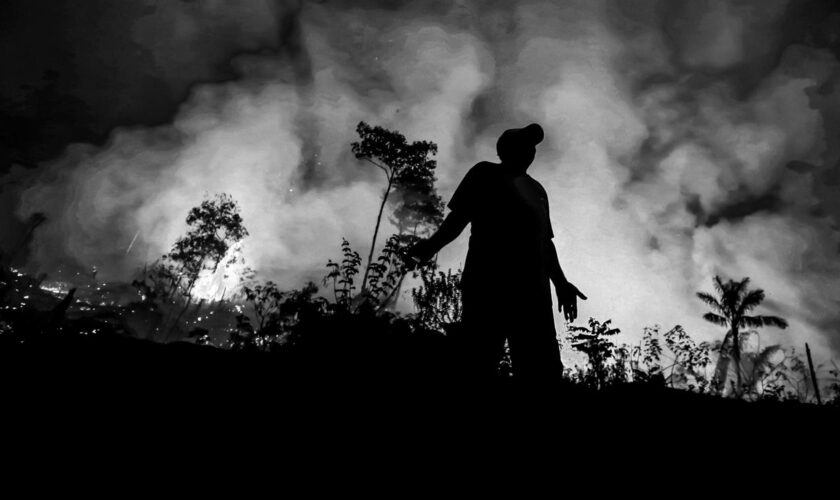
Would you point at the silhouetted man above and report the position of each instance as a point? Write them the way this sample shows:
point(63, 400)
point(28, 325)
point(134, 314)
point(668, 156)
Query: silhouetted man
point(511, 259)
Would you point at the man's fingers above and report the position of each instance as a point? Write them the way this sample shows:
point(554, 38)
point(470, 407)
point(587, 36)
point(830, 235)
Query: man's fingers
point(569, 310)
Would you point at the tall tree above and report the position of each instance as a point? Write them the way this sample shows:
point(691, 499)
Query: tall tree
point(730, 309)
point(409, 171)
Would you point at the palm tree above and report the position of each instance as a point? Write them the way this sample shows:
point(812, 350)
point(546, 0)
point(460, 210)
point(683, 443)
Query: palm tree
point(729, 309)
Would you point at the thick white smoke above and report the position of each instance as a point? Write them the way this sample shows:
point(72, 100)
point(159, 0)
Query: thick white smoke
point(246, 138)
point(660, 175)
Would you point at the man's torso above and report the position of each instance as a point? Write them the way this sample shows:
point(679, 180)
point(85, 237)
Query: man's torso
point(510, 228)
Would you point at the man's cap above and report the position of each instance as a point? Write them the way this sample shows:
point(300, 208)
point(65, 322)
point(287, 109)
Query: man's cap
point(529, 135)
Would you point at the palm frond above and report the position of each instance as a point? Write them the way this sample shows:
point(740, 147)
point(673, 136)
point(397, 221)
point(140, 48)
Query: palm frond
point(759, 321)
point(710, 300)
point(729, 296)
point(720, 287)
point(739, 287)
point(751, 300)
point(716, 319)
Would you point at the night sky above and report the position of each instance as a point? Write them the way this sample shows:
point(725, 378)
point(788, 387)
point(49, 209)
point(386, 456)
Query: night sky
point(684, 139)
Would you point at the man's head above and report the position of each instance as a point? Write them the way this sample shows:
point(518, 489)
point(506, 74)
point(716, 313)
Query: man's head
point(518, 146)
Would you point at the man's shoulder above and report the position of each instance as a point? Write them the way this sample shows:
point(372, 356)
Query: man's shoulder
point(536, 183)
point(480, 173)
point(483, 168)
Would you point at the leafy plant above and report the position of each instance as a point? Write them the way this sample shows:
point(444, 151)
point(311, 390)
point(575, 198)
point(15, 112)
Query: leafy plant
point(383, 281)
point(594, 341)
point(645, 357)
point(688, 367)
point(276, 314)
point(786, 380)
point(438, 300)
point(342, 275)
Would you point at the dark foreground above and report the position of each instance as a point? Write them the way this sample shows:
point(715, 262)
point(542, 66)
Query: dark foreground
point(117, 414)
point(110, 381)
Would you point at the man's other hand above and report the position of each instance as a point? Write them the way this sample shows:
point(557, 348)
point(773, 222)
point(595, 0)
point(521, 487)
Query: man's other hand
point(567, 295)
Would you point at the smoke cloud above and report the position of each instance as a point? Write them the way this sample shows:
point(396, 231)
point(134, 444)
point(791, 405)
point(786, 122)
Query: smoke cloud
point(683, 140)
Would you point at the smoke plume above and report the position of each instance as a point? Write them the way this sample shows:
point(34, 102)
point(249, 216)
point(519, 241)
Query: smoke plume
point(683, 140)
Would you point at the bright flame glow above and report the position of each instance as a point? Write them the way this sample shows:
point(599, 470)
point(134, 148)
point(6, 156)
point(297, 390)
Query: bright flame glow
point(225, 281)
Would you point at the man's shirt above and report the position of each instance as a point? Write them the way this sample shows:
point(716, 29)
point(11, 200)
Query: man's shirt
point(510, 227)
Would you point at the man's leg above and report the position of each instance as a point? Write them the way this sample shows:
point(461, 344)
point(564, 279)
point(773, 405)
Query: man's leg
point(534, 352)
point(478, 351)
point(479, 346)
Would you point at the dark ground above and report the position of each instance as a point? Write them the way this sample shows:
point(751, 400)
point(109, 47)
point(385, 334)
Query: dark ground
point(109, 381)
point(117, 414)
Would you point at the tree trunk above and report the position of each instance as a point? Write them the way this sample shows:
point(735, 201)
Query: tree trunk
point(722, 367)
point(375, 234)
point(813, 374)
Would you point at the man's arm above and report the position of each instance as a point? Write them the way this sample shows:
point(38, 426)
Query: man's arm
point(463, 203)
point(453, 225)
point(555, 272)
point(567, 293)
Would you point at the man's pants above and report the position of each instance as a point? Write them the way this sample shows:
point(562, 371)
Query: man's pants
point(529, 329)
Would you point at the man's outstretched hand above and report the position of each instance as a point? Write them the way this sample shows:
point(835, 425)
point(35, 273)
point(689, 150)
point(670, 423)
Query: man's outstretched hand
point(419, 254)
point(567, 295)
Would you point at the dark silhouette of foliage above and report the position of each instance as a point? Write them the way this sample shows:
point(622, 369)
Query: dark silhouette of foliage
point(342, 275)
point(384, 278)
point(438, 300)
point(266, 300)
point(595, 343)
point(690, 357)
point(689, 360)
point(646, 357)
point(787, 380)
point(386, 271)
point(276, 314)
point(730, 309)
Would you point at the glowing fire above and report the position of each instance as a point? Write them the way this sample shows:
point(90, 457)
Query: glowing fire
point(228, 277)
